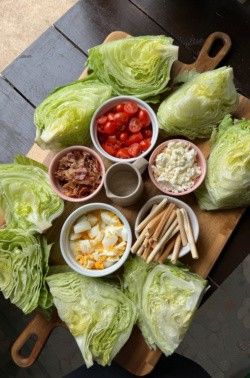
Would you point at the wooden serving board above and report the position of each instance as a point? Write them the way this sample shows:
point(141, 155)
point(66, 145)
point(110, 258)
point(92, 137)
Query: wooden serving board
point(215, 229)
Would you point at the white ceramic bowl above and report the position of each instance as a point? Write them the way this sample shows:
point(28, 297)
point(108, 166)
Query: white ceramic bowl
point(106, 106)
point(65, 247)
point(191, 215)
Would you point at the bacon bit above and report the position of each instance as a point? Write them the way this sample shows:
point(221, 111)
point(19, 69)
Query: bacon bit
point(78, 174)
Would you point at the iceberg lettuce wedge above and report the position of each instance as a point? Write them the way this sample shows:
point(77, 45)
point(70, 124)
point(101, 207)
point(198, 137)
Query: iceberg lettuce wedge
point(227, 183)
point(23, 267)
point(63, 118)
point(26, 199)
point(138, 66)
point(166, 297)
point(197, 106)
point(98, 314)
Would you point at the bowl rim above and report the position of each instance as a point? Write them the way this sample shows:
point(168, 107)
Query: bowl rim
point(190, 212)
point(64, 241)
point(55, 160)
point(202, 164)
point(115, 100)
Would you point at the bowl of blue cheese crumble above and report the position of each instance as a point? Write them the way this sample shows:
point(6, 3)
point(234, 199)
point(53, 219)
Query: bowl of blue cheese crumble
point(177, 167)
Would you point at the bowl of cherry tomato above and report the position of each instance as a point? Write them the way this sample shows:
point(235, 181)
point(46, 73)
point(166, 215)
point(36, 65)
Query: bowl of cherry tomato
point(124, 128)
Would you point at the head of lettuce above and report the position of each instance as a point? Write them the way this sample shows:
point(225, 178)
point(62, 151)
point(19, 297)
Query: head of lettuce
point(63, 118)
point(198, 105)
point(227, 184)
point(135, 66)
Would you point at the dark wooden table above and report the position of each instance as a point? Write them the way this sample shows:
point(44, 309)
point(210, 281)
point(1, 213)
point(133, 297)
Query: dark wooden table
point(58, 57)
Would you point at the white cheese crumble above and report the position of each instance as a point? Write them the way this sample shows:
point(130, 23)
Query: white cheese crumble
point(176, 167)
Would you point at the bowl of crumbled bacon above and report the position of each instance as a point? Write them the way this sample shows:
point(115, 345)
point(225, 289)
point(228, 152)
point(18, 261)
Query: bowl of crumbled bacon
point(77, 173)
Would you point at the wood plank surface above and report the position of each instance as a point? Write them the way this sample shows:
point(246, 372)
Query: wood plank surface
point(51, 61)
point(87, 25)
point(191, 22)
point(16, 123)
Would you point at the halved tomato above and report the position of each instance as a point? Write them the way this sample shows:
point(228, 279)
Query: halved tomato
point(135, 125)
point(120, 118)
point(109, 128)
point(144, 117)
point(134, 138)
point(147, 133)
point(123, 137)
point(134, 150)
point(110, 148)
point(101, 120)
point(145, 144)
point(119, 108)
point(130, 107)
point(123, 153)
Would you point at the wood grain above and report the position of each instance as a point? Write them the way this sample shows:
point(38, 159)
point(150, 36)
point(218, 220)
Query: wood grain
point(102, 16)
point(191, 22)
point(51, 61)
point(16, 123)
point(215, 229)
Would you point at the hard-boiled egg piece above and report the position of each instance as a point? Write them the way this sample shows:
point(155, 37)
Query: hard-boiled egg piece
point(109, 239)
point(85, 246)
point(109, 218)
point(96, 233)
point(82, 225)
point(74, 236)
point(92, 219)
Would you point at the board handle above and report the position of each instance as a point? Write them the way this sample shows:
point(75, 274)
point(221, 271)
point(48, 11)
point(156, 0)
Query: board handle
point(205, 61)
point(39, 327)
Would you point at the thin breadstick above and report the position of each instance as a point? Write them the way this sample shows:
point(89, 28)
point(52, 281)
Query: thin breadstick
point(176, 251)
point(151, 215)
point(168, 224)
point(139, 241)
point(163, 221)
point(166, 252)
point(163, 240)
point(140, 250)
point(146, 252)
point(189, 234)
point(151, 226)
point(146, 232)
point(181, 225)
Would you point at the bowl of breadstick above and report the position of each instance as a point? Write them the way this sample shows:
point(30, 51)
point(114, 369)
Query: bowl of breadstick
point(165, 228)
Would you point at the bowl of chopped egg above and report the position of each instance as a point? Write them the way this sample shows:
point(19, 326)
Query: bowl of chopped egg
point(177, 167)
point(95, 239)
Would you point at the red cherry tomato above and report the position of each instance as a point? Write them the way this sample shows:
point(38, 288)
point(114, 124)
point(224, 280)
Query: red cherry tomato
point(113, 140)
point(144, 117)
point(110, 148)
point(101, 120)
point(123, 153)
point(134, 138)
point(134, 150)
point(109, 128)
point(147, 133)
point(135, 125)
point(120, 118)
point(123, 137)
point(110, 116)
point(119, 108)
point(145, 144)
point(130, 107)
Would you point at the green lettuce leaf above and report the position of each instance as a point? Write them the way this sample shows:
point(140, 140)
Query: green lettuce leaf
point(227, 183)
point(138, 66)
point(26, 199)
point(63, 118)
point(23, 267)
point(98, 314)
point(166, 297)
point(196, 107)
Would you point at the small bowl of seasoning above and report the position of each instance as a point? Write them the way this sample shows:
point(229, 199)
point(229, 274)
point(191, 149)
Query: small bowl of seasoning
point(77, 173)
point(177, 167)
